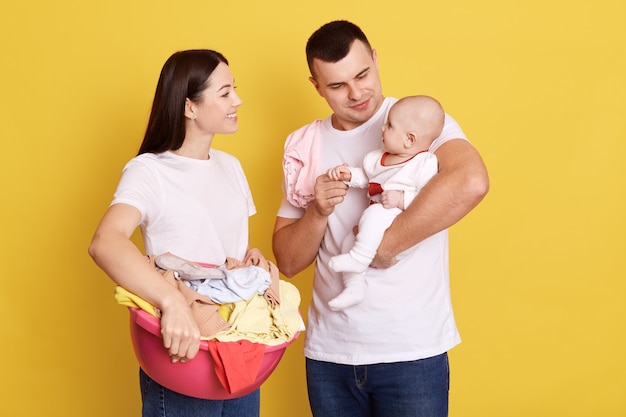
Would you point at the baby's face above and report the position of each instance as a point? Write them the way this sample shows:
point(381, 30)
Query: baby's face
point(395, 132)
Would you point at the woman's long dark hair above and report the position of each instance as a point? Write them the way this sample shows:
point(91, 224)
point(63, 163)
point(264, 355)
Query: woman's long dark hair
point(184, 75)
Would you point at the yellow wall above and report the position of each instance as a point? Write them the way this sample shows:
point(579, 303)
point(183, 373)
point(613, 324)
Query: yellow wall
point(537, 270)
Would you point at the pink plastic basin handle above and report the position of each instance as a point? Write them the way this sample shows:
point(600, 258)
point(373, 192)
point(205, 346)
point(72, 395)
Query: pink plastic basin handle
point(196, 378)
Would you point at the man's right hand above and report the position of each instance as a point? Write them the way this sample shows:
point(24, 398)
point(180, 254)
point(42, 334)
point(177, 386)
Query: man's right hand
point(328, 193)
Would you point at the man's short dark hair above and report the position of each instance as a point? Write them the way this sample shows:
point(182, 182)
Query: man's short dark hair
point(331, 42)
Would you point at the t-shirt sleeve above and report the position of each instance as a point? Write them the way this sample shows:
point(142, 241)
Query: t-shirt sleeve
point(451, 130)
point(237, 169)
point(243, 180)
point(138, 187)
point(289, 211)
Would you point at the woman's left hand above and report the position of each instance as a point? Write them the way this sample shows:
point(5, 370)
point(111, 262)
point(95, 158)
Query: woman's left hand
point(255, 256)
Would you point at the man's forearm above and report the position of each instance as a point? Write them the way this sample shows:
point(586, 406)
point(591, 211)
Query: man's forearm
point(296, 241)
point(460, 185)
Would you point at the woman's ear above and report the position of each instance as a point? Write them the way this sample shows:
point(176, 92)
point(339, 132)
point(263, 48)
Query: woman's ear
point(190, 109)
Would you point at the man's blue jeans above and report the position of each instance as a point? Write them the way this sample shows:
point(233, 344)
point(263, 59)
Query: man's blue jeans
point(159, 401)
point(401, 389)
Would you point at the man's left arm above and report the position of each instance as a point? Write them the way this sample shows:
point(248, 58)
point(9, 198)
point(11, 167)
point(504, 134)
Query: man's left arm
point(460, 184)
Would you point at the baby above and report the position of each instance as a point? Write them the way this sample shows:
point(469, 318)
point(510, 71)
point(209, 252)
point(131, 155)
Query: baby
point(393, 175)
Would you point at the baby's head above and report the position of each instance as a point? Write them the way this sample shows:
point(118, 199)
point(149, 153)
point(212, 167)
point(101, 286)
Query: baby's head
point(413, 123)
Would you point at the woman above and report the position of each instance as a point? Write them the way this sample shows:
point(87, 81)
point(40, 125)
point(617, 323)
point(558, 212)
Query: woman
point(188, 199)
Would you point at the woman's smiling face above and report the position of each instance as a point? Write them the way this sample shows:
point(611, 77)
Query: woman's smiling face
point(216, 112)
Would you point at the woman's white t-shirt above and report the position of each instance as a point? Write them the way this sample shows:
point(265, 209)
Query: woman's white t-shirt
point(196, 209)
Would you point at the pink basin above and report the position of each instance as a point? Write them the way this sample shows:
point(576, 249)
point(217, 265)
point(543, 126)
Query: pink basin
point(196, 378)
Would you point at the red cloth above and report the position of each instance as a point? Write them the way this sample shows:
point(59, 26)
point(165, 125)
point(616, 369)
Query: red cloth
point(374, 188)
point(237, 363)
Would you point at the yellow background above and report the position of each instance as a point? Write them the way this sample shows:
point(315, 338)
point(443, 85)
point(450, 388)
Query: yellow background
point(537, 269)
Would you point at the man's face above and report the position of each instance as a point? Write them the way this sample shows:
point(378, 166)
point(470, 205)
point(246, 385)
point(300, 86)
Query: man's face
point(351, 86)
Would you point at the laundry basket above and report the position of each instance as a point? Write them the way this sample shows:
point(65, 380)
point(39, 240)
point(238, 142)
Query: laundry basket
point(196, 378)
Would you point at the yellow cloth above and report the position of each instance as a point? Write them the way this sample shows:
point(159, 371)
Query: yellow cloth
point(252, 320)
point(128, 299)
point(256, 321)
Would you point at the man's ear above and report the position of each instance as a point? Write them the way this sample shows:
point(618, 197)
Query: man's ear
point(315, 84)
point(375, 57)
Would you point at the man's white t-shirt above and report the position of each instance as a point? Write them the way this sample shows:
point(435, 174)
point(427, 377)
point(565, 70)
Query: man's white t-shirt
point(196, 209)
point(407, 313)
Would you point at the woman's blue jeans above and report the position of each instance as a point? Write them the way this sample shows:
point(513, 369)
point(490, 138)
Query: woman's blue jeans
point(159, 401)
point(401, 389)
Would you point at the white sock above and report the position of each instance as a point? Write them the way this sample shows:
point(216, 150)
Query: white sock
point(353, 293)
point(357, 260)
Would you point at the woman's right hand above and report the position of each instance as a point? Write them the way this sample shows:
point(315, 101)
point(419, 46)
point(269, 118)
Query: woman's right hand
point(181, 335)
point(114, 252)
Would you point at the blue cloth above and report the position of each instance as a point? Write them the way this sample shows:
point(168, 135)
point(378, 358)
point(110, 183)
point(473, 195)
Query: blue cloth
point(399, 389)
point(239, 284)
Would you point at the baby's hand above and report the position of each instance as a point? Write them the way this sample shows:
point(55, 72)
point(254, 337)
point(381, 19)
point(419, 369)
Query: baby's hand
point(392, 199)
point(340, 173)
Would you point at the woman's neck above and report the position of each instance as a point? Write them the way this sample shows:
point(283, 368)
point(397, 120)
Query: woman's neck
point(196, 148)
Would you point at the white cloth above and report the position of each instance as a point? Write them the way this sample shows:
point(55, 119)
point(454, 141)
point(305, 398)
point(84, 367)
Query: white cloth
point(239, 284)
point(407, 313)
point(409, 176)
point(197, 209)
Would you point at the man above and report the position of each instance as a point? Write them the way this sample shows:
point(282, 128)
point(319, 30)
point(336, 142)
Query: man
point(387, 355)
